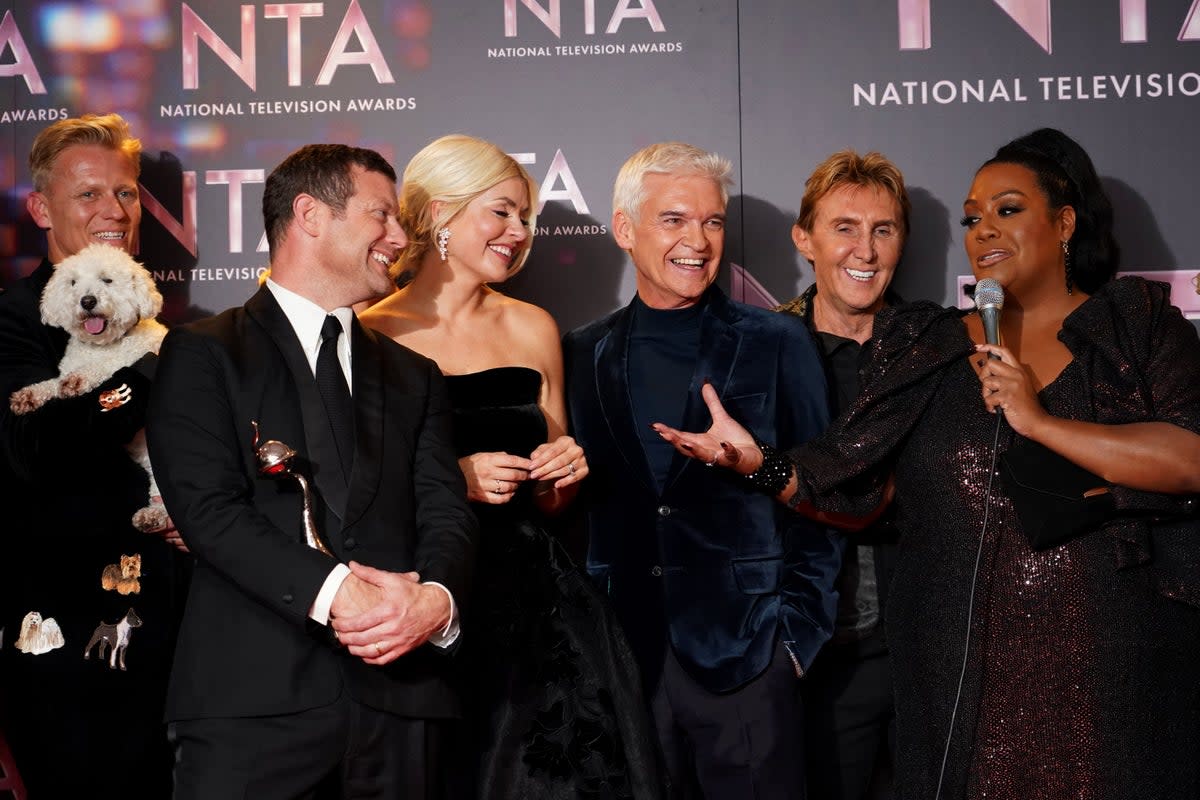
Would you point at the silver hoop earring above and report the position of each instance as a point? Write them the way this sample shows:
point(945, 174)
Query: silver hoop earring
point(443, 236)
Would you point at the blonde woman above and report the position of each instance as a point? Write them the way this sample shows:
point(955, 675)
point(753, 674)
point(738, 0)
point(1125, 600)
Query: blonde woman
point(553, 708)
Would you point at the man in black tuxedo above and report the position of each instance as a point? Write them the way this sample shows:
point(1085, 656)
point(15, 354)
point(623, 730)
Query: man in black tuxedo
point(68, 491)
point(296, 667)
point(726, 595)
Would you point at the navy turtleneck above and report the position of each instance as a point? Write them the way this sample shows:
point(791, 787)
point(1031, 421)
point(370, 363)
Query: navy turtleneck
point(663, 348)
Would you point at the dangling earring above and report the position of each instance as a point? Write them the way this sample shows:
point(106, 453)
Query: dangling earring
point(1067, 264)
point(443, 236)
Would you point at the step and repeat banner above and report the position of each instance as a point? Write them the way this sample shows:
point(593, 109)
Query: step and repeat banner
point(221, 91)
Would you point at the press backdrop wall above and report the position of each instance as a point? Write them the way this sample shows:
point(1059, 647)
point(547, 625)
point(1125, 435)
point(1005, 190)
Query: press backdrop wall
point(220, 91)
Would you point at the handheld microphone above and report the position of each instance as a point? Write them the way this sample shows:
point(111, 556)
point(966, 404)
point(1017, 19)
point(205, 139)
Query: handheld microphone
point(989, 299)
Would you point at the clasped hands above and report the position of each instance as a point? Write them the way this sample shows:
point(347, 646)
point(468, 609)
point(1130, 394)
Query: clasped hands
point(495, 477)
point(379, 616)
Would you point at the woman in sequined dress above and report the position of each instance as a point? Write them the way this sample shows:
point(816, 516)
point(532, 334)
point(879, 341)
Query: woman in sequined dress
point(1079, 679)
point(553, 704)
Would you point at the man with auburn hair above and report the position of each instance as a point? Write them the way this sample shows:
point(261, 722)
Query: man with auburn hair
point(726, 596)
point(298, 667)
point(68, 491)
point(852, 225)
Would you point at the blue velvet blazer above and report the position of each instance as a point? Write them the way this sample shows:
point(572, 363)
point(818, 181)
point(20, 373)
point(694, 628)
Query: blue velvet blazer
point(719, 570)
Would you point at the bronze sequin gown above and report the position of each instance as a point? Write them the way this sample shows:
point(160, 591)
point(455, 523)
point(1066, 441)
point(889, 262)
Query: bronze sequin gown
point(1082, 679)
point(553, 699)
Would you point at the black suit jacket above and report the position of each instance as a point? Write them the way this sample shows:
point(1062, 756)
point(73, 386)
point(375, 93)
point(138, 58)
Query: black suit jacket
point(717, 569)
point(247, 646)
point(68, 490)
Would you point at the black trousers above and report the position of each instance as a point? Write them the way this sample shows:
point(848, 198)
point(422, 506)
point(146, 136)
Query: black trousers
point(345, 750)
point(850, 726)
point(740, 745)
point(71, 730)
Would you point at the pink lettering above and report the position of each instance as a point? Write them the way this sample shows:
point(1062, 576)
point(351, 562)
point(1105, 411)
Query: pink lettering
point(645, 11)
point(550, 17)
point(914, 24)
point(22, 65)
point(235, 179)
point(914, 17)
point(355, 23)
point(1033, 16)
point(1133, 21)
point(196, 29)
point(559, 169)
point(1190, 32)
point(183, 230)
point(293, 12)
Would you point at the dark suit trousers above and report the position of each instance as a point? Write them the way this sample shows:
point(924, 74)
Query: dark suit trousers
point(344, 750)
point(739, 745)
point(849, 724)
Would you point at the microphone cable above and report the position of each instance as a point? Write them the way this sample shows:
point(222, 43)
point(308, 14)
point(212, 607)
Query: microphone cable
point(987, 507)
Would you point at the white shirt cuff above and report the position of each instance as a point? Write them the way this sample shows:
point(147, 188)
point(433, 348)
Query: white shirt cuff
point(449, 634)
point(320, 608)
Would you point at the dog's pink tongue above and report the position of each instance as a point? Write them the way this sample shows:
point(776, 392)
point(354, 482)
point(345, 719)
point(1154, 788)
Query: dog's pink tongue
point(95, 325)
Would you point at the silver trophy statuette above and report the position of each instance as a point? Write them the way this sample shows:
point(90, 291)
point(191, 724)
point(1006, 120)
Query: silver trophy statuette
point(274, 459)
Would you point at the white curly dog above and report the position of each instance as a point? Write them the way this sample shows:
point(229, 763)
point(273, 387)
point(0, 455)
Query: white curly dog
point(107, 302)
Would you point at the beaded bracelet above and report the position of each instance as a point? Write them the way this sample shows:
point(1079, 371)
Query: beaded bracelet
point(773, 473)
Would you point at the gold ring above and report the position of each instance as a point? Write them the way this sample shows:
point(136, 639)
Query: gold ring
point(712, 463)
point(378, 649)
point(571, 468)
point(499, 487)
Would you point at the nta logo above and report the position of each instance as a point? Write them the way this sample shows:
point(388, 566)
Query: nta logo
point(551, 16)
point(1034, 18)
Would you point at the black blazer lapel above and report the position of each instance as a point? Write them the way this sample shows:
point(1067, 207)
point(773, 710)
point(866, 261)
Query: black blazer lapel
point(318, 448)
point(720, 346)
point(369, 392)
point(612, 390)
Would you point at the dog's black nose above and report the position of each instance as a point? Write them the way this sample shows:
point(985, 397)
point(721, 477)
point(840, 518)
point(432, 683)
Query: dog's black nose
point(88, 302)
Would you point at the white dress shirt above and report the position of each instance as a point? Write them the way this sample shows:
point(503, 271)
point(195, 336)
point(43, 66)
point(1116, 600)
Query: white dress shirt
point(307, 318)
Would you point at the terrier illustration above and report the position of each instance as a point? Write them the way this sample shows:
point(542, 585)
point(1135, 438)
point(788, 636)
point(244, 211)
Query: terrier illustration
point(115, 638)
point(123, 578)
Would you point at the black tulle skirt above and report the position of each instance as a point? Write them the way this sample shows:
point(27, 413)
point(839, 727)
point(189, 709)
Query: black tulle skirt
point(553, 697)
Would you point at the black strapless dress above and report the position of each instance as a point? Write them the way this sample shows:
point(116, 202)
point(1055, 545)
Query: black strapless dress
point(554, 705)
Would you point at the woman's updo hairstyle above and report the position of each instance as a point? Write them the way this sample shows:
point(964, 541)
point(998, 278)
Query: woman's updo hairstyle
point(453, 169)
point(1067, 177)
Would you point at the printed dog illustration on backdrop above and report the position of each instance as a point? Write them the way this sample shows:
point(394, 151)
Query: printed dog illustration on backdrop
point(124, 577)
point(113, 639)
point(107, 302)
point(38, 635)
